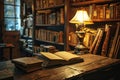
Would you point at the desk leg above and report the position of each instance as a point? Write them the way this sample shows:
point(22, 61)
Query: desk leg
point(11, 52)
point(1, 53)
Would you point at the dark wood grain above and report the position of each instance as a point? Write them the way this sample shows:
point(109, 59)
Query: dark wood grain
point(94, 67)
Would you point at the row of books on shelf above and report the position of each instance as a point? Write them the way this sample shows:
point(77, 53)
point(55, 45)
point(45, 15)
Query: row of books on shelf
point(48, 3)
point(49, 35)
point(45, 48)
point(50, 17)
point(105, 11)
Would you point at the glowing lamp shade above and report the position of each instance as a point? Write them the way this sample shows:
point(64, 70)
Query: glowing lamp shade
point(81, 17)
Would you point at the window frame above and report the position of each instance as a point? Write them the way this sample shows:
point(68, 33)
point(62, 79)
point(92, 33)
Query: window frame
point(12, 23)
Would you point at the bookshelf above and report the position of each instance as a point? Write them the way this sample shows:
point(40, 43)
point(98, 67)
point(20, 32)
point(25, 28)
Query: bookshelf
point(102, 13)
point(50, 23)
point(52, 17)
point(100, 10)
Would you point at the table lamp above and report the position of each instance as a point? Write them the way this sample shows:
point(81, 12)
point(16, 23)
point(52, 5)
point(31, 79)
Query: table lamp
point(80, 19)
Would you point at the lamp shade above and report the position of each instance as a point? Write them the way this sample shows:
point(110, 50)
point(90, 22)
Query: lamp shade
point(81, 17)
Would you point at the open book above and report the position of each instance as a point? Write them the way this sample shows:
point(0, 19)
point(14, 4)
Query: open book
point(60, 57)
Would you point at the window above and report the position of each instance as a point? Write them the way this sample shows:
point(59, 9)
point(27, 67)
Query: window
point(12, 15)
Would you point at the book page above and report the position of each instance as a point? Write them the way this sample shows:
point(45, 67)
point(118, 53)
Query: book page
point(67, 55)
point(51, 56)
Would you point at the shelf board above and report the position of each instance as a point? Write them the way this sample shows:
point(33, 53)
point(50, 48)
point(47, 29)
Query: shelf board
point(62, 44)
point(71, 44)
point(27, 37)
point(105, 20)
point(92, 2)
point(49, 25)
point(51, 7)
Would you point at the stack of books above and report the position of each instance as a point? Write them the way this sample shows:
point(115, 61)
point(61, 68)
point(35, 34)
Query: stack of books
point(28, 64)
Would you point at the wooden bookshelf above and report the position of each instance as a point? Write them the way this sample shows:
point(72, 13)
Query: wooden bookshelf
point(51, 7)
point(107, 13)
point(50, 17)
point(83, 3)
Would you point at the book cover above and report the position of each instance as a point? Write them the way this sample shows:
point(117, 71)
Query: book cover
point(6, 74)
point(6, 71)
point(28, 63)
point(111, 54)
point(95, 41)
point(98, 46)
point(106, 41)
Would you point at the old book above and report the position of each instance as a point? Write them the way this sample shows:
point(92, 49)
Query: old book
point(98, 46)
point(94, 42)
point(106, 41)
point(37, 4)
point(6, 70)
point(117, 47)
point(111, 54)
point(58, 2)
point(60, 58)
point(6, 74)
point(101, 12)
point(95, 13)
point(60, 37)
point(28, 64)
point(107, 12)
point(62, 16)
point(86, 40)
point(73, 39)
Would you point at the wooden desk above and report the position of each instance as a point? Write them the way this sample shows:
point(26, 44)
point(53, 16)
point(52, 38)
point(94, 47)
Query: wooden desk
point(93, 68)
point(7, 45)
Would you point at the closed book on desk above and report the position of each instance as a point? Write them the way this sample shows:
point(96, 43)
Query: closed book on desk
point(60, 58)
point(28, 64)
point(6, 74)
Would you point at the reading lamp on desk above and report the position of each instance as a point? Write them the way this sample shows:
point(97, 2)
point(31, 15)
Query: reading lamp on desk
point(80, 19)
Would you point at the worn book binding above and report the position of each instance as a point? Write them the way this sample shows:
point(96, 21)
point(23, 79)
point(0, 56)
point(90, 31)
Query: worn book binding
point(105, 46)
point(60, 58)
point(6, 74)
point(98, 46)
point(95, 41)
point(28, 64)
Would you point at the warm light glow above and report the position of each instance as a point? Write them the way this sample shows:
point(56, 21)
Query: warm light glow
point(81, 17)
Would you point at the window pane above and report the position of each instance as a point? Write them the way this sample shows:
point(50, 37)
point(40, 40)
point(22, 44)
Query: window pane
point(17, 11)
point(17, 2)
point(10, 24)
point(18, 24)
point(9, 11)
point(8, 1)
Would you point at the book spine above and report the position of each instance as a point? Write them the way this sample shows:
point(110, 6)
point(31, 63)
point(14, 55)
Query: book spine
point(111, 54)
point(49, 35)
point(117, 48)
point(95, 41)
point(99, 42)
point(106, 41)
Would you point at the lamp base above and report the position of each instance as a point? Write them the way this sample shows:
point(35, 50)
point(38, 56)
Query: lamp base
point(81, 49)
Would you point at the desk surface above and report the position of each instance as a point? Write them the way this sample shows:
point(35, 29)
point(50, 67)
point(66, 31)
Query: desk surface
point(92, 63)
